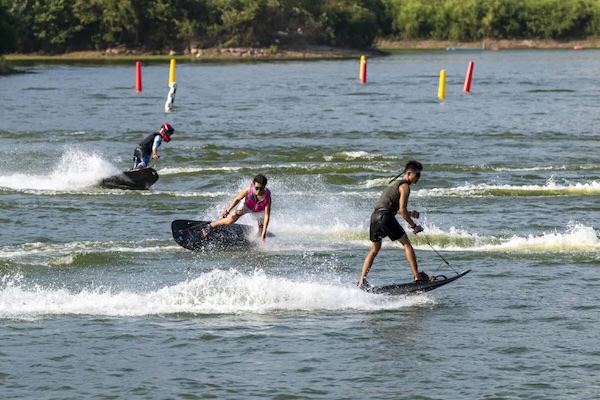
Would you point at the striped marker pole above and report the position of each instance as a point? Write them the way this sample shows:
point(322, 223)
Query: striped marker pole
point(172, 72)
point(363, 69)
point(171, 98)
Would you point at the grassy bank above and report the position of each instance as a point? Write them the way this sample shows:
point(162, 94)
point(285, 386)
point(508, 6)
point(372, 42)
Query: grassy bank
point(215, 54)
point(306, 53)
point(388, 45)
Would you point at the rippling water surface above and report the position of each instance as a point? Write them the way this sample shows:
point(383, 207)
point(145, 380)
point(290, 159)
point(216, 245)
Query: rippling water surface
point(97, 300)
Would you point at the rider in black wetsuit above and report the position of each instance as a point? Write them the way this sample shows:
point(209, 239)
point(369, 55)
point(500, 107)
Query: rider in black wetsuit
point(149, 146)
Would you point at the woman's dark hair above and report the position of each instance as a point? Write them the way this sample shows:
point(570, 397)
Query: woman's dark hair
point(260, 179)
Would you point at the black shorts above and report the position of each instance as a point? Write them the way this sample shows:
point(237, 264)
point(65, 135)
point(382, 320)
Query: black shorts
point(384, 224)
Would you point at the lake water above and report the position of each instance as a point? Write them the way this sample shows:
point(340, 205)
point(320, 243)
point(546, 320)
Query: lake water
point(98, 301)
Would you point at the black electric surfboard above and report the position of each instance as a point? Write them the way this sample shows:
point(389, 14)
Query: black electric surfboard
point(137, 179)
point(194, 235)
point(416, 287)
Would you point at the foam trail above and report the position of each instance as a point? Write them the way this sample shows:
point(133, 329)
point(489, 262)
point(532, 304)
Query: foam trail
point(215, 292)
point(550, 188)
point(577, 237)
point(75, 170)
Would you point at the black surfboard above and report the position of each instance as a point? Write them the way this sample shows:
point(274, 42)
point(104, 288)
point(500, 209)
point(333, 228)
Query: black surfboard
point(415, 287)
point(189, 234)
point(137, 179)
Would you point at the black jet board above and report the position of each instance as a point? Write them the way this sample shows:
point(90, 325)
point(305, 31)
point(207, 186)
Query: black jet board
point(137, 179)
point(415, 287)
point(189, 234)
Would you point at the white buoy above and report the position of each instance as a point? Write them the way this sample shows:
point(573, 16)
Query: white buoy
point(171, 98)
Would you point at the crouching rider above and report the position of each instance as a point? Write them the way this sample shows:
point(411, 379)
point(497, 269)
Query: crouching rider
point(257, 201)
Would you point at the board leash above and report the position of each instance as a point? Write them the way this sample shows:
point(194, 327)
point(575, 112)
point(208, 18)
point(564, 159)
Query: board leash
point(436, 252)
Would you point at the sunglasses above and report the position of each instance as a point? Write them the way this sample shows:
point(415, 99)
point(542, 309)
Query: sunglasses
point(259, 188)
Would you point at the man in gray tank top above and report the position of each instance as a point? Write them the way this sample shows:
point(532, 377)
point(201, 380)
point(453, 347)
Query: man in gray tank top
point(394, 200)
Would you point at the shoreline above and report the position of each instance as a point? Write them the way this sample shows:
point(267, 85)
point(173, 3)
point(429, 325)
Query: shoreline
point(502, 44)
point(382, 48)
point(210, 54)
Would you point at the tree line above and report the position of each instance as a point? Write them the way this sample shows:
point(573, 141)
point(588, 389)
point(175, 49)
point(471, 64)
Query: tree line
point(57, 26)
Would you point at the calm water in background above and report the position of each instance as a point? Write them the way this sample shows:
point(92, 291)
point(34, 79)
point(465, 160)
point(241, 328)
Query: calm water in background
point(97, 300)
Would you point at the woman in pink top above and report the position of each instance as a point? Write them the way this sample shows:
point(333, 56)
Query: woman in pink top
point(257, 200)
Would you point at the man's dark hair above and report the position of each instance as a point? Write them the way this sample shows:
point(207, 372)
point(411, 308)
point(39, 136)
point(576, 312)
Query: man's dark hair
point(413, 165)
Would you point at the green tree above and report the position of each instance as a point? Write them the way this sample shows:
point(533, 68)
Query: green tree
point(8, 39)
point(351, 23)
point(294, 22)
point(159, 25)
point(549, 19)
point(53, 25)
point(244, 22)
point(465, 19)
point(502, 19)
point(592, 9)
point(106, 23)
point(412, 19)
point(156, 29)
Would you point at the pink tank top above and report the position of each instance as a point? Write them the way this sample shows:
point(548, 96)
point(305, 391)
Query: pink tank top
point(253, 203)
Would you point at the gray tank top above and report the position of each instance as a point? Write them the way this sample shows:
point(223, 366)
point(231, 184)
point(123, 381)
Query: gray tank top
point(390, 198)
